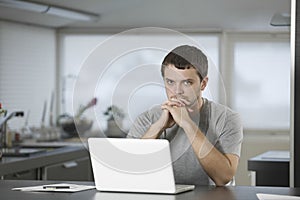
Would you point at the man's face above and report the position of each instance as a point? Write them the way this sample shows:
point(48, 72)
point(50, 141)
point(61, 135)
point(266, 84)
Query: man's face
point(183, 84)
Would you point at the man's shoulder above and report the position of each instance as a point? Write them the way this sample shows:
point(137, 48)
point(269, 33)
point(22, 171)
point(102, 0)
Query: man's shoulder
point(225, 119)
point(152, 112)
point(218, 109)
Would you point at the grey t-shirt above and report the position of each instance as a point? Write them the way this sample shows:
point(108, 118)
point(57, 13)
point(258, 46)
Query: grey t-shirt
point(221, 125)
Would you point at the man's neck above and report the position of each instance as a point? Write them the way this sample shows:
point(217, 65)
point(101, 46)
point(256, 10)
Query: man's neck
point(197, 105)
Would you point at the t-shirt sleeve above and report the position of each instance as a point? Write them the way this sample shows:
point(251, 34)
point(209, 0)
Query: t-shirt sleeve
point(140, 126)
point(231, 136)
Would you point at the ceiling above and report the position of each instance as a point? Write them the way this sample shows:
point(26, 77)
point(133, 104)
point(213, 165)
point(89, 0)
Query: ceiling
point(203, 15)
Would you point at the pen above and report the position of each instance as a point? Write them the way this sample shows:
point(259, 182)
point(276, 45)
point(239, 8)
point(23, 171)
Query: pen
point(56, 187)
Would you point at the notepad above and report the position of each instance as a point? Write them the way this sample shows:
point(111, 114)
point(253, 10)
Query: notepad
point(262, 196)
point(59, 187)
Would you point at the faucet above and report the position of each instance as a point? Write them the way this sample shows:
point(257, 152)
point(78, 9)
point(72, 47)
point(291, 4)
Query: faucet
point(3, 124)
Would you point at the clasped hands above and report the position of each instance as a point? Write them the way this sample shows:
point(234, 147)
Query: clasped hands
point(175, 111)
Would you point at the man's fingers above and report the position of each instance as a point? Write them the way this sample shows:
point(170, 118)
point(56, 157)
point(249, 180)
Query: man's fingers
point(173, 103)
point(176, 103)
point(186, 102)
point(165, 107)
point(180, 103)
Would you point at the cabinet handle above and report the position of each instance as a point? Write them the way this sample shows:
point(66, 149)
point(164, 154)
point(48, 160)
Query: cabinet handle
point(70, 164)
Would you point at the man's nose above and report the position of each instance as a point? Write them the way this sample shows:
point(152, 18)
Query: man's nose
point(178, 89)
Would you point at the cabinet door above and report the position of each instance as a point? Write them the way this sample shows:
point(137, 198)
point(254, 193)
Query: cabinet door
point(75, 170)
point(32, 174)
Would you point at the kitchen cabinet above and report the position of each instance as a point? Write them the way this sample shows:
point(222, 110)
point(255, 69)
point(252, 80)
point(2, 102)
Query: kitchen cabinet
point(33, 174)
point(271, 168)
point(69, 162)
point(74, 170)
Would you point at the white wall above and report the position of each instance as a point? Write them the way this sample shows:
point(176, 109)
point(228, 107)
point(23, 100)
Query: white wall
point(27, 69)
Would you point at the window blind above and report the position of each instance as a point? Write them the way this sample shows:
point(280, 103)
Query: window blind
point(27, 70)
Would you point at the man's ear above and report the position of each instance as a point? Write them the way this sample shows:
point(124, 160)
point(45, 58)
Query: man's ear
point(204, 83)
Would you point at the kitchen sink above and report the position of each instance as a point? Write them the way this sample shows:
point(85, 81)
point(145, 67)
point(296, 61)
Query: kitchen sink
point(21, 152)
point(31, 148)
point(28, 149)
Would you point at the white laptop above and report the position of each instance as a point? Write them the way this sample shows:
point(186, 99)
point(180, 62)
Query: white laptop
point(133, 165)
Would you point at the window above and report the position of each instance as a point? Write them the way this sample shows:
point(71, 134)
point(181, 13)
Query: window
point(75, 48)
point(27, 72)
point(260, 86)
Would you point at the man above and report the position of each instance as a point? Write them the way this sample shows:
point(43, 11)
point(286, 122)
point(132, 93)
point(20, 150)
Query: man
point(205, 137)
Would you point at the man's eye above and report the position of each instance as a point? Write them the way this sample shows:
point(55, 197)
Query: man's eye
point(188, 82)
point(170, 82)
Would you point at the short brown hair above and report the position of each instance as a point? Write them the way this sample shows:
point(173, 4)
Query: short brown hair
point(184, 57)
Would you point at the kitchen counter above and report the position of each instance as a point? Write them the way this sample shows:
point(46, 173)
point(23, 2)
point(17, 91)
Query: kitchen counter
point(271, 168)
point(200, 192)
point(55, 153)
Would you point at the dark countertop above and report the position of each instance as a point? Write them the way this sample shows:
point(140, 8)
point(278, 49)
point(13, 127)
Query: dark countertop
point(59, 152)
point(268, 159)
point(271, 168)
point(200, 192)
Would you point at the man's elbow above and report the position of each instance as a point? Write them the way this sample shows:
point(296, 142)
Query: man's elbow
point(222, 181)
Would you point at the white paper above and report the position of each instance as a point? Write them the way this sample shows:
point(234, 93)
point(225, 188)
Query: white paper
point(40, 188)
point(276, 155)
point(262, 196)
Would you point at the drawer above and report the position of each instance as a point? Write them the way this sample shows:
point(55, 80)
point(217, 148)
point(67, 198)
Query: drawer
point(74, 170)
point(32, 174)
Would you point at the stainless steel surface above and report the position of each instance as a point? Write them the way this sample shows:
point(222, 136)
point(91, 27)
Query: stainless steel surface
point(11, 165)
point(3, 124)
point(21, 152)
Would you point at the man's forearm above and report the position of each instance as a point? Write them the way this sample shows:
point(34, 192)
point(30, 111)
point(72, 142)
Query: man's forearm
point(153, 132)
point(217, 165)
